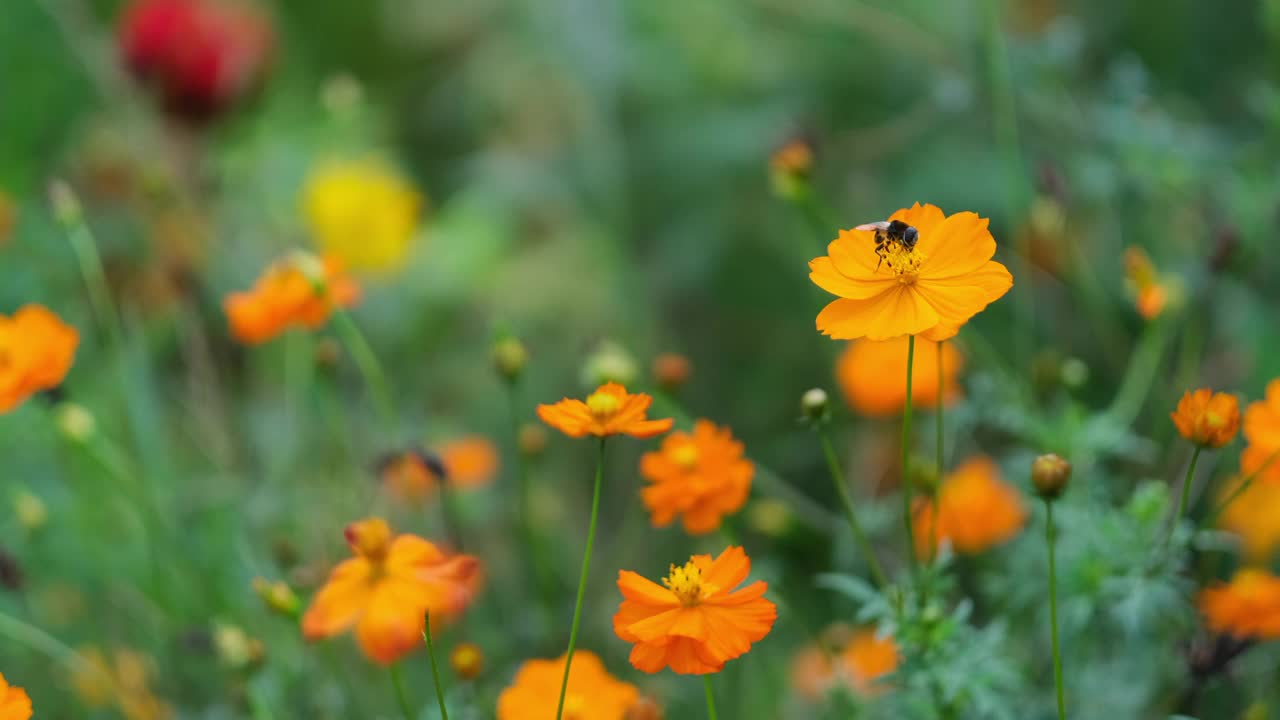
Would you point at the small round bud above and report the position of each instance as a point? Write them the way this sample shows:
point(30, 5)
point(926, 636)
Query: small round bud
point(509, 357)
point(769, 516)
point(790, 167)
point(235, 648)
point(66, 206)
point(467, 660)
point(75, 422)
point(342, 94)
point(328, 352)
point(923, 475)
point(30, 511)
point(645, 708)
point(532, 439)
point(1075, 373)
point(1050, 474)
point(610, 363)
point(815, 404)
point(277, 596)
point(671, 370)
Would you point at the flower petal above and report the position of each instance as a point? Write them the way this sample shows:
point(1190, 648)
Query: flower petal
point(897, 312)
point(959, 245)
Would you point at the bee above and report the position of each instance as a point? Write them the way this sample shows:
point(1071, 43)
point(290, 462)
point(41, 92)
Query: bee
point(891, 231)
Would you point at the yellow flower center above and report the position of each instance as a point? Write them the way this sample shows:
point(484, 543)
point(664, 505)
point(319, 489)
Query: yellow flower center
point(905, 263)
point(686, 456)
point(1213, 420)
point(370, 539)
point(686, 582)
point(603, 405)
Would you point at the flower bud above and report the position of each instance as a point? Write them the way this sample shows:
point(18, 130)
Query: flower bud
point(671, 370)
point(769, 517)
point(790, 167)
point(277, 596)
point(30, 511)
point(66, 206)
point(509, 357)
point(609, 363)
point(235, 648)
point(532, 439)
point(75, 422)
point(815, 405)
point(467, 660)
point(1049, 474)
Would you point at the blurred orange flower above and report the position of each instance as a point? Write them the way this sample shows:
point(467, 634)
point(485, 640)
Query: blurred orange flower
point(14, 703)
point(929, 290)
point(36, 351)
point(610, 410)
point(1254, 515)
point(388, 586)
point(977, 510)
point(469, 462)
point(861, 660)
point(698, 622)
point(299, 291)
point(592, 694)
point(1150, 292)
point(872, 375)
point(1262, 430)
point(410, 475)
point(1206, 418)
point(1246, 607)
point(700, 476)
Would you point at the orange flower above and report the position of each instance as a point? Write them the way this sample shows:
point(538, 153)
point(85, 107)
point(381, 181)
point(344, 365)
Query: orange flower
point(1206, 418)
point(976, 510)
point(387, 587)
point(14, 703)
point(872, 375)
point(1247, 607)
point(1254, 515)
point(698, 622)
point(469, 462)
point(1262, 430)
point(929, 290)
point(1151, 293)
point(701, 476)
point(593, 694)
point(299, 291)
point(859, 663)
point(410, 475)
point(610, 410)
point(36, 351)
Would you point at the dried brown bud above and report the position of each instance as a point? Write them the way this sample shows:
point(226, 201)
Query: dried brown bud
point(467, 660)
point(1050, 473)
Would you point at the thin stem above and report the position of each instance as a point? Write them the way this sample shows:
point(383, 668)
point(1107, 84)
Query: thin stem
point(67, 207)
point(906, 457)
point(711, 700)
point(1186, 490)
point(846, 502)
point(398, 683)
point(367, 362)
point(940, 442)
point(582, 579)
point(435, 670)
point(1050, 536)
point(528, 533)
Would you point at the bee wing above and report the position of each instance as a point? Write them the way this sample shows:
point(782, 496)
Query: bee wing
point(880, 226)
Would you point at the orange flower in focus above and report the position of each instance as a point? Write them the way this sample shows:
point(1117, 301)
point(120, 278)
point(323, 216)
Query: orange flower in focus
point(610, 410)
point(929, 290)
point(1254, 515)
point(977, 510)
point(1206, 418)
point(872, 375)
point(1149, 291)
point(388, 586)
point(700, 476)
point(469, 462)
point(698, 622)
point(299, 291)
point(863, 660)
point(36, 351)
point(14, 703)
point(1262, 430)
point(1246, 607)
point(592, 694)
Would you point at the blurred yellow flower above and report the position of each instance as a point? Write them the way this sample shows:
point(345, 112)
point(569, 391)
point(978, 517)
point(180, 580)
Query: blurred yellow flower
point(362, 211)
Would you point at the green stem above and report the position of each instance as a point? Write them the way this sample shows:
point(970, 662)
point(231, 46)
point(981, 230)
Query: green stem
point(1050, 536)
point(90, 261)
point(398, 683)
point(846, 502)
point(582, 579)
point(940, 442)
point(906, 457)
point(1186, 490)
point(449, 510)
point(711, 700)
point(528, 534)
point(367, 362)
point(435, 670)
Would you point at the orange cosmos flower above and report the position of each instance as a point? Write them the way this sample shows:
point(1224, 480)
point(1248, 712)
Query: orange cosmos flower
point(701, 476)
point(36, 351)
point(698, 622)
point(858, 662)
point(1246, 607)
point(929, 290)
point(1262, 430)
point(592, 694)
point(610, 410)
point(14, 703)
point(299, 291)
point(1206, 418)
point(1254, 515)
point(469, 462)
point(977, 510)
point(872, 375)
point(388, 586)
